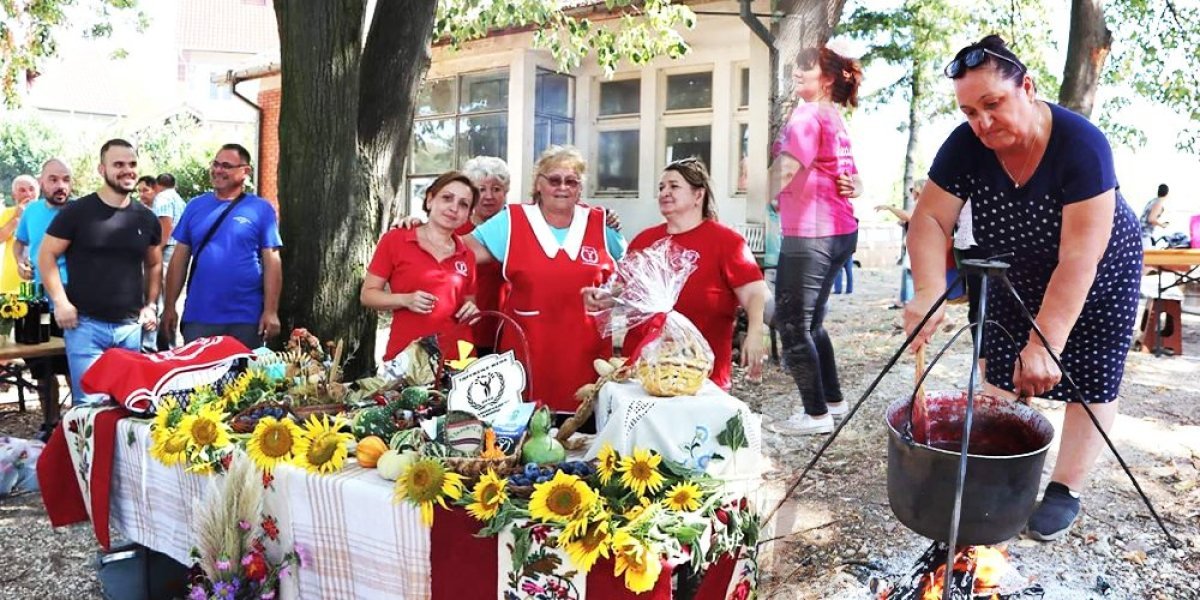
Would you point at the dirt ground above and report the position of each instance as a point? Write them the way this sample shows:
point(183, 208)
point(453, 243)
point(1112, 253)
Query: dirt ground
point(838, 531)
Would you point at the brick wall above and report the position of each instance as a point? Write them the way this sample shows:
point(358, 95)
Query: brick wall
point(268, 145)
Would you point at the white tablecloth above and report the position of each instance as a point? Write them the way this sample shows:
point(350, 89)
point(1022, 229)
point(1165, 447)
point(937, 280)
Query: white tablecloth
point(684, 429)
point(362, 545)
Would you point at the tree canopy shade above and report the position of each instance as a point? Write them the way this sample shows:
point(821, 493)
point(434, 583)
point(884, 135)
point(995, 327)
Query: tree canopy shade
point(349, 83)
point(29, 29)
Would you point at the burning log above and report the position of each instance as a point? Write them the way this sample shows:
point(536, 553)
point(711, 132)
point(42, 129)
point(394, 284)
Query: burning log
point(976, 576)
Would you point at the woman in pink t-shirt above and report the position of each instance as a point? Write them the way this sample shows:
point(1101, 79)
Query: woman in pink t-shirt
point(815, 176)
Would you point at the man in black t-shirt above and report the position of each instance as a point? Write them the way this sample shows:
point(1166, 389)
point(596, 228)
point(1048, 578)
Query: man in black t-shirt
point(114, 266)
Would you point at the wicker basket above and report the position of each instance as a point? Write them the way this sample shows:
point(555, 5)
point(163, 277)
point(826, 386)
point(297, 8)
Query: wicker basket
point(472, 467)
point(304, 412)
point(673, 375)
point(240, 425)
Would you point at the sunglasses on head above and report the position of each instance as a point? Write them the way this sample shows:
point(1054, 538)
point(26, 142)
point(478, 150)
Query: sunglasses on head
point(973, 58)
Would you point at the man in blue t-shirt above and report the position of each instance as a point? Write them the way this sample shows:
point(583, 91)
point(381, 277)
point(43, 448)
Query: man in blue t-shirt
point(235, 271)
point(55, 182)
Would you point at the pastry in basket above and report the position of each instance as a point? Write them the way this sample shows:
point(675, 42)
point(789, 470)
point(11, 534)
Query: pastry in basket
point(674, 367)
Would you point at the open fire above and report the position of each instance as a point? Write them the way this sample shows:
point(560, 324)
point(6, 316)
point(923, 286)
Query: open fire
point(977, 575)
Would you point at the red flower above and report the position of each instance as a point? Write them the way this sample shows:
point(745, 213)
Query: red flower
point(226, 461)
point(267, 479)
point(540, 533)
point(254, 566)
point(271, 528)
point(742, 591)
point(722, 516)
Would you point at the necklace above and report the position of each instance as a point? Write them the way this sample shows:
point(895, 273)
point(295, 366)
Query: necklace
point(438, 246)
point(1015, 178)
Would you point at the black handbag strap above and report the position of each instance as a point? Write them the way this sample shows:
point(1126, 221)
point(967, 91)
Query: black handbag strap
point(209, 235)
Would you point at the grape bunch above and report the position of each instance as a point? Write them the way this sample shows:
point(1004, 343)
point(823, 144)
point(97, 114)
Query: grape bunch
point(250, 419)
point(534, 474)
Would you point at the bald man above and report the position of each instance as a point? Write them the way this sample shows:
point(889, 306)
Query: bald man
point(55, 182)
point(24, 191)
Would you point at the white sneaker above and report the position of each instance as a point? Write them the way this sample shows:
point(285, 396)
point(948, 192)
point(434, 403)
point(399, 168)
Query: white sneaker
point(837, 410)
point(803, 424)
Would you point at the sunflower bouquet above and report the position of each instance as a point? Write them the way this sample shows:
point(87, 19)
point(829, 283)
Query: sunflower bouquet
point(636, 509)
point(12, 308)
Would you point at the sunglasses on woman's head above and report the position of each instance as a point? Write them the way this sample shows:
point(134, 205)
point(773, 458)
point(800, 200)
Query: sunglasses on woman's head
point(973, 58)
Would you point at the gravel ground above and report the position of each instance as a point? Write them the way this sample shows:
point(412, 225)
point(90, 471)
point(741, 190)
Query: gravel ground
point(837, 531)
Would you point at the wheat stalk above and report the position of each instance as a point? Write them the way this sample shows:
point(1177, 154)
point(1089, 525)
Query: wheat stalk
point(231, 499)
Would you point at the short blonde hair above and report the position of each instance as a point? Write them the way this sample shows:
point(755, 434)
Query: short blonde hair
point(559, 156)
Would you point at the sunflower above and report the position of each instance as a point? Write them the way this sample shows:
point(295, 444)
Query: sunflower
point(637, 560)
point(206, 429)
point(636, 511)
point(589, 547)
point(166, 419)
point(426, 481)
point(322, 445)
point(19, 309)
point(683, 497)
point(561, 500)
point(489, 494)
point(608, 462)
point(6, 310)
point(272, 442)
point(639, 472)
point(169, 447)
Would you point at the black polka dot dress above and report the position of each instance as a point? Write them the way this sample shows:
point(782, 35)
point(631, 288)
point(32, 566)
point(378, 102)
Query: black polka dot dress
point(1025, 224)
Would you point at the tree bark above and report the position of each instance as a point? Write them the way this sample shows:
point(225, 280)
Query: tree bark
point(344, 126)
point(1087, 48)
point(916, 89)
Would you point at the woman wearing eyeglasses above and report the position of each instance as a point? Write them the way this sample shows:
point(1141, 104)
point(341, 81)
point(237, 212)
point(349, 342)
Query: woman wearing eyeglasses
point(726, 274)
point(1044, 195)
point(550, 251)
point(815, 177)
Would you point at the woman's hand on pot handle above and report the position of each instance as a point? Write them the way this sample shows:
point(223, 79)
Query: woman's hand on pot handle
point(914, 311)
point(1035, 373)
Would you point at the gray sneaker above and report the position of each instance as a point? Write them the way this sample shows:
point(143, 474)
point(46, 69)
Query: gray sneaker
point(838, 410)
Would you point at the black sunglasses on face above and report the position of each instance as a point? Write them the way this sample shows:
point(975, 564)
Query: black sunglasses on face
point(973, 58)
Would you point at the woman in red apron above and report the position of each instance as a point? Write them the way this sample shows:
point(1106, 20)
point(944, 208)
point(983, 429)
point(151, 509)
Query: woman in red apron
point(491, 176)
point(551, 250)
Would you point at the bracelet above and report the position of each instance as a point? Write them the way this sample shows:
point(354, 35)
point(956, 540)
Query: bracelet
point(1057, 351)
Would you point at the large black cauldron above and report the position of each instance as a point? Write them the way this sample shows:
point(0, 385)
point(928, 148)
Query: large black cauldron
point(1004, 468)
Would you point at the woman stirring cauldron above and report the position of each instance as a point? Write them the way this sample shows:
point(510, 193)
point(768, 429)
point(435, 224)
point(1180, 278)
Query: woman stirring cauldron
point(1044, 194)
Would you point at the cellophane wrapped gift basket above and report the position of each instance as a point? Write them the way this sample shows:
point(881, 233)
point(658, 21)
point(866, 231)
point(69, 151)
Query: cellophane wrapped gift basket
point(671, 357)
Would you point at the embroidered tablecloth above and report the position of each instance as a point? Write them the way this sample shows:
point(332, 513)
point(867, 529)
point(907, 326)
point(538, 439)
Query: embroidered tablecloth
point(710, 431)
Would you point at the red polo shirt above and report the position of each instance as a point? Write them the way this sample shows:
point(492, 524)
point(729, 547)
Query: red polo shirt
point(407, 267)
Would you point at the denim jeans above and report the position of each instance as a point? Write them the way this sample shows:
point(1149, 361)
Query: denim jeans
point(88, 340)
point(159, 340)
point(807, 267)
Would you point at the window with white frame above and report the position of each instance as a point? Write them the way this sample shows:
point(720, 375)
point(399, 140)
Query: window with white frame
point(687, 116)
point(553, 110)
point(618, 133)
point(456, 119)
point(741, 118)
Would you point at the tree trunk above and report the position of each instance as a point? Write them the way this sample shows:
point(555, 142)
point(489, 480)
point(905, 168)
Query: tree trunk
point(1087, 48)
point(341, 136)
point(916, 88)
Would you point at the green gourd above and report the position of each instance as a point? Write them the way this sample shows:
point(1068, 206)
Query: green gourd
point(541, 448)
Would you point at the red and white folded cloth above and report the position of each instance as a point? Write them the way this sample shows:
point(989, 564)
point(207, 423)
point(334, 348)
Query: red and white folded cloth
point(137, 381)
point(75, 469)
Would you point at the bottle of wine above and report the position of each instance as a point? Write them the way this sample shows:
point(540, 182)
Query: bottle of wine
point(45, 316)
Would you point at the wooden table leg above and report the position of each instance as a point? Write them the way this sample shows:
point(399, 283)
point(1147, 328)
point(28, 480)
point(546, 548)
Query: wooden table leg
point(47, 383)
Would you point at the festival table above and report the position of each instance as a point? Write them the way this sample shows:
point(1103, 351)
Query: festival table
point(12, 373)
point(362, 545)
point(684, 429)
point(1182, 263)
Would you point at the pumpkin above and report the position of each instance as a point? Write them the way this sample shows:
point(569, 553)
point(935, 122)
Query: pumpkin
point(392, 464)
point(369, 450)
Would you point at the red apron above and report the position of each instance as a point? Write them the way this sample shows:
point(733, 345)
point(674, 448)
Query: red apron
point(545, 299)
point(490, 290)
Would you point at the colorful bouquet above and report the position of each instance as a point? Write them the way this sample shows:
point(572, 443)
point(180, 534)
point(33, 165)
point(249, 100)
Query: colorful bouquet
point(231, 558)
point(12, 308)
point(638, 509)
